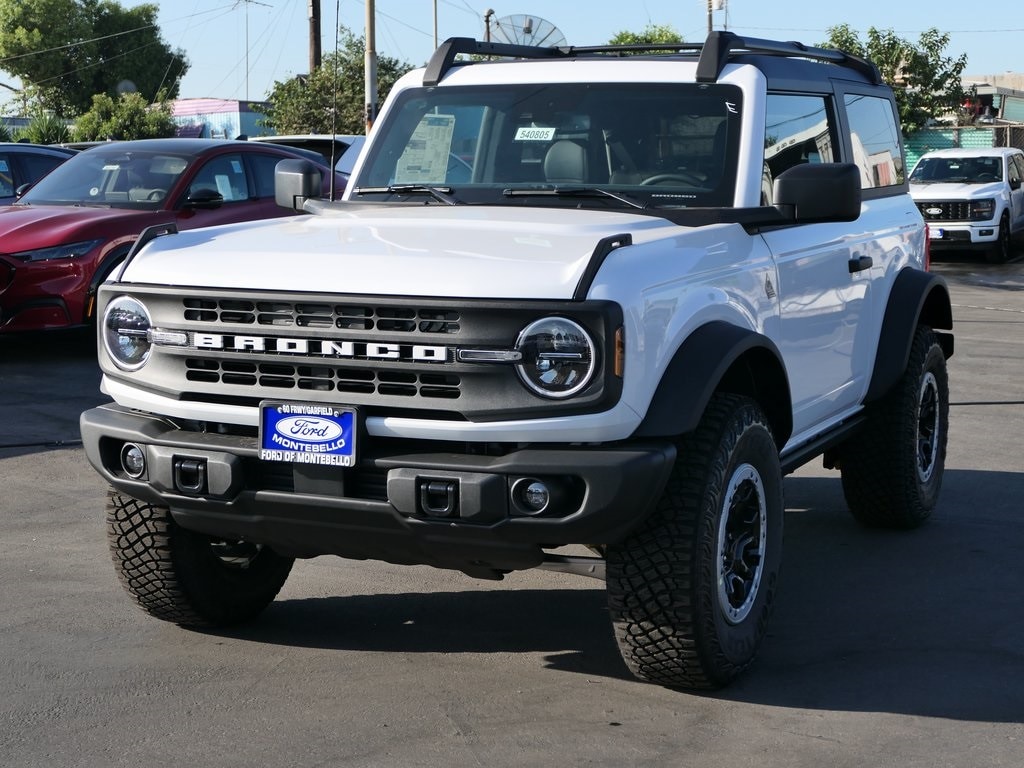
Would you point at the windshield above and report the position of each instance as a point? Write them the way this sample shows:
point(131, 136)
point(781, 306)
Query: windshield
point(965, 170)
point(110, 177)
point(653, 145)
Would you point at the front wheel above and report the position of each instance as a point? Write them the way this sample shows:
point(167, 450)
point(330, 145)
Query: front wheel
point(690, 590)
point(185, 577)
point(892, 470)
point(1002, 249)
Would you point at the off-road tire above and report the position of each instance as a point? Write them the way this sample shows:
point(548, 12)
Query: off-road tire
point(892, 470)
point(673, 624)
point(185, 577)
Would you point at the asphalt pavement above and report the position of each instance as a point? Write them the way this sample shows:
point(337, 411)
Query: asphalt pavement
point(885, 649)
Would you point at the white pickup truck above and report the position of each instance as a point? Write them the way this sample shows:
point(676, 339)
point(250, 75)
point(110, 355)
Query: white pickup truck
point(972, 199)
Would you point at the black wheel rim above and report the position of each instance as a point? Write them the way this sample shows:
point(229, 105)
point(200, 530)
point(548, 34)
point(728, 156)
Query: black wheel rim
point(928, 427)
point(742, 531)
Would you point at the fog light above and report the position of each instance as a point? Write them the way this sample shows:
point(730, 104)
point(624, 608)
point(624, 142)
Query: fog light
point(133, 460)
point(531, 496)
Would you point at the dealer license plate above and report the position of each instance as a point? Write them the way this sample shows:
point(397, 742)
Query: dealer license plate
point(307, 433)
point(936, 233)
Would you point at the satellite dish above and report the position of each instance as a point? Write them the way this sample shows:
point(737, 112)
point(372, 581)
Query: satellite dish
point(523, 29)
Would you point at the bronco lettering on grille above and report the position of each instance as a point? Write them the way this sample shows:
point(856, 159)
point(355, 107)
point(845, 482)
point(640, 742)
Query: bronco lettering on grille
point(419, 353)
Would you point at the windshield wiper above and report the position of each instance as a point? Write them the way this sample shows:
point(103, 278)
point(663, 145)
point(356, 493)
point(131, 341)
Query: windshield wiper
point(632, 202)
point(441, 194)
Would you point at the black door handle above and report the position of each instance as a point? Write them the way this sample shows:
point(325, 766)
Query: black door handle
point(860, 263)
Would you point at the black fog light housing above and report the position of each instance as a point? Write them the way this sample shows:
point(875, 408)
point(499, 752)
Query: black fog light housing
point(133, 460)
point(538, 496)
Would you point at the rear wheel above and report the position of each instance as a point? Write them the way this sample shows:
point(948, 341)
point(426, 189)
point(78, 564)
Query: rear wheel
point(185, 577)
point(892, 470)
point(691, 590)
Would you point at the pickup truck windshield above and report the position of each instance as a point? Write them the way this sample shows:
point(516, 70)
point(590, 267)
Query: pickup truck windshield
point(657, 145)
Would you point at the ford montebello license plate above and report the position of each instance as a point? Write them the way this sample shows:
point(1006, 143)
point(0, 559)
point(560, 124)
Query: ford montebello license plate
point(307, 433)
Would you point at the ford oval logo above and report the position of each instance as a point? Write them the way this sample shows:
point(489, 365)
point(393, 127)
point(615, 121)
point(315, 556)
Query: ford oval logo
point(308, 429)
point(933, 211)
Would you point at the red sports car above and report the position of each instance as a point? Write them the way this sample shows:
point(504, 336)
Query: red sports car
point(61, 239)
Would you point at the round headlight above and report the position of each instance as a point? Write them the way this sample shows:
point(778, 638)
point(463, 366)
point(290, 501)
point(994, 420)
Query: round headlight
point(558, 357)
point(126, 327)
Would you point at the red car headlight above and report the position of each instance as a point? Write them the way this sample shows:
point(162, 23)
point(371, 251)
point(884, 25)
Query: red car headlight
point(69, 251)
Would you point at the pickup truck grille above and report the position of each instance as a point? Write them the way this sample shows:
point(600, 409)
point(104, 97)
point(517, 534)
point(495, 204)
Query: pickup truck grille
point(948, 210)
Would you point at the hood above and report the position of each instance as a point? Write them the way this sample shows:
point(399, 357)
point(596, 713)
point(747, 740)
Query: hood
point(24, 227)
point(464, 251)
point(956, 191)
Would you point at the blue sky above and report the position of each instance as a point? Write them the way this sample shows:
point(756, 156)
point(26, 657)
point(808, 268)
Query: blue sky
point(238, 48)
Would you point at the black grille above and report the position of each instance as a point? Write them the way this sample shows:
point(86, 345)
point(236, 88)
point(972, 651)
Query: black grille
point(323, 378)
point(950, 210)
point(352, 317)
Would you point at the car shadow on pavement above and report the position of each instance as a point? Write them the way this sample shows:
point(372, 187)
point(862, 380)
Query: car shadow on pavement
point(923, 623)
point(46, 381)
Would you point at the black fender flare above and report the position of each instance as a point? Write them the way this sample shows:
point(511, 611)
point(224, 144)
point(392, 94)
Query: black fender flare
point(917, 297)
point(719, 356)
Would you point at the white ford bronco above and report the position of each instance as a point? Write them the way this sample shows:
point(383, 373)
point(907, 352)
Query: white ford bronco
point(580, 308)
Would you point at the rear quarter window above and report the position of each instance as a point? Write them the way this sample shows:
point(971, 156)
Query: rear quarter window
point(875, 139)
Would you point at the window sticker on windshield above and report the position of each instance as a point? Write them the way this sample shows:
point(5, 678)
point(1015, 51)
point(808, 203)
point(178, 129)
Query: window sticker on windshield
point(534, 133)
point(236, 166)
point(4, 168)
point(112, 167)
point(425, 158)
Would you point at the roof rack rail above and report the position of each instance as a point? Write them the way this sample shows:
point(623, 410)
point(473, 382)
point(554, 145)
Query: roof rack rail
point(444, 57)
point(720, 44)
point(714, 53)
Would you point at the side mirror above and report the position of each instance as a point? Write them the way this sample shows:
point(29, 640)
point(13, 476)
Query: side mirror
point(204, 198)
point(819, 192)
point(295, 182)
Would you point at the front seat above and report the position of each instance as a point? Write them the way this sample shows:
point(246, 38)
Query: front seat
point(566, 163)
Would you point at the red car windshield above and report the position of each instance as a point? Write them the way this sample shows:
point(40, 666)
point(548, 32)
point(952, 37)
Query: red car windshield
point(110, 178)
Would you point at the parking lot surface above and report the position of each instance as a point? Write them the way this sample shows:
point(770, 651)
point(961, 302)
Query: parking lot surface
point(885, 649)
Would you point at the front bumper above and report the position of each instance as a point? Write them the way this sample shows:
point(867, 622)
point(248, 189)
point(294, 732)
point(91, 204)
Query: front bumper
point(419, 505)
point(953, 235)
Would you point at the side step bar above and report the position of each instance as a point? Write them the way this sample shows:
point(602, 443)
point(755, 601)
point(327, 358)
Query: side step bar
point(578, 565)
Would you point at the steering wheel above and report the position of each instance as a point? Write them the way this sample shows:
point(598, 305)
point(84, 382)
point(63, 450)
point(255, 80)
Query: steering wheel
point(986, 177)
point(669, 178)
point(156, 195)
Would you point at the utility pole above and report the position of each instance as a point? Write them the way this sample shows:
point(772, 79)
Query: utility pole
point(371, 64)
point(487, 24)
point(314, 35)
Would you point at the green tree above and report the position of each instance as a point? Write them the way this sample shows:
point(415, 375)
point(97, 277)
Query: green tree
point(128, 117)
point(331, 99)
point(44, 128)
point(926, 82)
point(68, 50)
point(651, 34)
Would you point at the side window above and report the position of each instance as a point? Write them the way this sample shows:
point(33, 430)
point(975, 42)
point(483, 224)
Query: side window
point(798, 129)
point(6, 176)
point(224, 174)
point(37, 166)
point(1016, 168)
point(876, 140)
point(263, 172)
